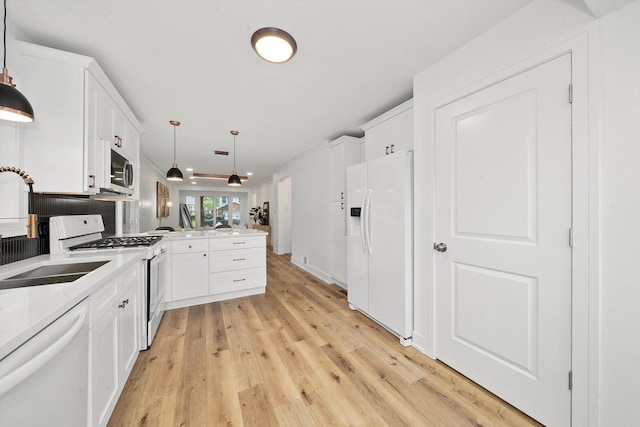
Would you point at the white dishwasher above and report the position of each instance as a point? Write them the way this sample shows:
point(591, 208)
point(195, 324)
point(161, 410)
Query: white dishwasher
point(45, 382)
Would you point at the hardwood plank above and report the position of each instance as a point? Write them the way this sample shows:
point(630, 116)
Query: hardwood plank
point(256, 410)
point(191, 402)
point(222, 391)
point(345, 403)
point(296, 356)
point(247, 371)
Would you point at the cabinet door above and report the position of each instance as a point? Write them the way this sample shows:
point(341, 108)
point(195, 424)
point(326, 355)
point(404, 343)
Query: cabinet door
point(338, 241)
point(119, 131)
point(377, 140)
point(94, 170)
point(339, 261)
point(338, 220)
point(104, 378)
point(53, 146)
point(402, 138)
point(337, 173)
point(106, 110)
point(189, 275)
point(128, 327)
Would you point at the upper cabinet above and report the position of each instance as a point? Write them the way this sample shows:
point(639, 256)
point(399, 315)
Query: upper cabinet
point(79, 117)
point(389, 132)
point(344, 151)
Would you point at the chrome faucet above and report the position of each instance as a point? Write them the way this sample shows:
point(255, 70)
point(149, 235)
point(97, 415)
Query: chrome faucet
point(32, 218)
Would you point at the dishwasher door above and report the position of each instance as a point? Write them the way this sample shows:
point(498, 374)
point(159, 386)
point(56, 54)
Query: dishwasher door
point(45, 382)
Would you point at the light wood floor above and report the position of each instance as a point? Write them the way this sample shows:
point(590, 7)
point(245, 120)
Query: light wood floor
point(296, 356)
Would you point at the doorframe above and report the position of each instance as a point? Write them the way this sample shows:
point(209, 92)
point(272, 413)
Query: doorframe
point(585, 214)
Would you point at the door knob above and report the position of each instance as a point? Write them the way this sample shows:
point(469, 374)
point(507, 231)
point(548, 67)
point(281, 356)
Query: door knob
point(440, 247)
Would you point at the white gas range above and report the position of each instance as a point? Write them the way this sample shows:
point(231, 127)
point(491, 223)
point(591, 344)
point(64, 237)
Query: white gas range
point(83, 233)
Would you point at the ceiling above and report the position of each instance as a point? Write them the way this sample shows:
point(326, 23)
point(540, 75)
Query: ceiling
point(192, 61)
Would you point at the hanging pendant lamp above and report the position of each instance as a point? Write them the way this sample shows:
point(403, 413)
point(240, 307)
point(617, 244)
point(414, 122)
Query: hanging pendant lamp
point(234, 179)
point(14, 106)
point(174, 173)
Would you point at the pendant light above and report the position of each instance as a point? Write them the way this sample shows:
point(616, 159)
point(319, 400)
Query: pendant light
point(234, 179)
point(274, 45)
point(14, 106)
point(174, 173)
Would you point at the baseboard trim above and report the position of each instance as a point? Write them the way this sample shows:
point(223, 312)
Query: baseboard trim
point(312, 270)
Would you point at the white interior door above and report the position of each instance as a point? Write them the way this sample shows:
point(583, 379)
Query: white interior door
point(503, 209)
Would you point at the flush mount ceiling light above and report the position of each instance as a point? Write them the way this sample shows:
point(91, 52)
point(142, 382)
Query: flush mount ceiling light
point(234, 179)
point(273, 44)
point(174, 174)
point(14, 106)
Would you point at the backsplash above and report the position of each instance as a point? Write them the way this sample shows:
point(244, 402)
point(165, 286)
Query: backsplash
point(17, 248)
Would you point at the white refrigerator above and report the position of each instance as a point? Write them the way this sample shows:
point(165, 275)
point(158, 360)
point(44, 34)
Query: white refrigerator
point(380, 241)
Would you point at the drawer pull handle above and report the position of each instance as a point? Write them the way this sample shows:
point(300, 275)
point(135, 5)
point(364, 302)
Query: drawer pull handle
point(240, 280)
point(239, 243)
point(239, 259)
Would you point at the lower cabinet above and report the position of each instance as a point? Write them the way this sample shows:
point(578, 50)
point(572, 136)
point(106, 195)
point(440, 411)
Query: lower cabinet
point(189, 269)
point(215, 269)
point(104, 375)
point(115, 313)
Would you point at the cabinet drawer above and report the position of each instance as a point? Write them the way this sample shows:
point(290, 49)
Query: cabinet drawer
point(103, 300)
point(230, 281)
point(128, 278)
point(236, 243)
point(237, 260)
point(185, 246)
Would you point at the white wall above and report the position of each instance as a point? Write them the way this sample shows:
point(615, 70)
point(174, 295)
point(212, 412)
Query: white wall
point(310, 225)
point(608, 383)
point(620, 217)
point(149, 176)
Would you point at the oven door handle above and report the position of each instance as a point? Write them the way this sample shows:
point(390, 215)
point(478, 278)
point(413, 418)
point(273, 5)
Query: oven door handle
point(63, 330)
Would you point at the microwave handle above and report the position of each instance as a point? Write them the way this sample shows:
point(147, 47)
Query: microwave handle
point(125, 174)
point(129, 174)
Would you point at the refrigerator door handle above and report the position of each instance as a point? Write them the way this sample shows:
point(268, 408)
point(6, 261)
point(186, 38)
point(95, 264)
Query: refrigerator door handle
point(367, 221)
point(363, 218)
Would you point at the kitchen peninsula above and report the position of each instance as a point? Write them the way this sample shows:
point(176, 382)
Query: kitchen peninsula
point(214, 265)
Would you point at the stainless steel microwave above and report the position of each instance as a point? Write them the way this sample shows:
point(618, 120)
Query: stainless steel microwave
point(120, 179)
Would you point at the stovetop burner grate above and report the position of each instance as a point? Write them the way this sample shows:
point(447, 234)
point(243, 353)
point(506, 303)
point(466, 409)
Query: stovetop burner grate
point(118, 243)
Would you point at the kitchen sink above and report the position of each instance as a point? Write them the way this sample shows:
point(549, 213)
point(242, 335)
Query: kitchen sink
point(50, 274)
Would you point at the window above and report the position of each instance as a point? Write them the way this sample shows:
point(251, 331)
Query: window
point(208, 208)
point(190, 201)
point(216, 210)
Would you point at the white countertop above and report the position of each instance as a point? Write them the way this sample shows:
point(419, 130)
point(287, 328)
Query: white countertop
point(210, 234)
point(25, 311)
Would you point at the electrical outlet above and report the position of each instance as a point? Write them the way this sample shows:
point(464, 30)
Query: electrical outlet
point(305, 259)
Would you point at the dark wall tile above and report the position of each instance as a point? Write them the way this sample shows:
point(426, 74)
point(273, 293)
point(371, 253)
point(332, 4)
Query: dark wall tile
point(17, 248)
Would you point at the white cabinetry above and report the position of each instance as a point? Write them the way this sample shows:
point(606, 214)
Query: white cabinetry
point(344, 151)
point(114, 341)
point(115, 130)
point(189, 269)
point(76, 104)
point(390, 132)
point(237, 264)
